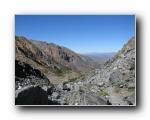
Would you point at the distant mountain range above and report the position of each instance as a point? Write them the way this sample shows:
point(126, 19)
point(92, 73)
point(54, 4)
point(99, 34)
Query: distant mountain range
point(101, 55)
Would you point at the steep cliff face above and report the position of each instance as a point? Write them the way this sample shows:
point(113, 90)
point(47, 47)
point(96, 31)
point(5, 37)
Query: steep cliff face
point(30, 54)
point(67, 57)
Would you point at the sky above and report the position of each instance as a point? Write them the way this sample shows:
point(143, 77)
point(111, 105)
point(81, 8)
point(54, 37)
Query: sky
point(80, 33)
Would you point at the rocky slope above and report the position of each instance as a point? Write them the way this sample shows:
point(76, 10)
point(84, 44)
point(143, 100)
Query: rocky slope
point(112, 84)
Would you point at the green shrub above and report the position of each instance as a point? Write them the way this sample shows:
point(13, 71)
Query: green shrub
point(59, 73)
point(72, 79)
point(116, 90)
point(103, 93)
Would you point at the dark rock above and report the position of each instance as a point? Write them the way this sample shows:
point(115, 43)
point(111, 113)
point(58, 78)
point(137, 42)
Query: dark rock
point(50, 90)
point(121, 86)
point(31, 96)
point(109, 103)
point(26, 75)
point(50, 102)
point(66, 87)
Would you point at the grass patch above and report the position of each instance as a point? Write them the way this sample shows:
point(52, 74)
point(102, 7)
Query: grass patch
point(116, 90)
point(103, 93)
point(60, 73)
point(72, 79)
point(80, 75)
point(45, 70)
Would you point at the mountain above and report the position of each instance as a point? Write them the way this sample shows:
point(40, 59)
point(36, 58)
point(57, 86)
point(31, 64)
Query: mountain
point(113, 83)
point(66, 57)
point(30, 54)
point(101, 55)
point(97, 62)
point(58, 63)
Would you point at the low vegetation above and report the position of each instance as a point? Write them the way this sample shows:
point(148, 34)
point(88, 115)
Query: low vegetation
point(60, 73)
point(116, 90)
point(73, 79)
point(103, 93)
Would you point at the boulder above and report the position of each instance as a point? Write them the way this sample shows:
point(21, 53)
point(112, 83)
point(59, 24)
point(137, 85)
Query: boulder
point(60, 86)
point(55, 95)
point(100, 84)
point(33, 95)
point(66, 87)
point(113, 77)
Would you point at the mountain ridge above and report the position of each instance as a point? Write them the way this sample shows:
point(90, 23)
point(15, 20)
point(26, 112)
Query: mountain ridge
point(62, 53)
point(52, 59)
point(99, 55)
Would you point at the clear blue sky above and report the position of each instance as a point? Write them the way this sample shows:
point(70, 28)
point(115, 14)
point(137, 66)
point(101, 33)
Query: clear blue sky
point(80, 33)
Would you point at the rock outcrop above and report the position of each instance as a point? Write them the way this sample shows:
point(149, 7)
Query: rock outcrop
point(25, 75)
point(34, 95)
